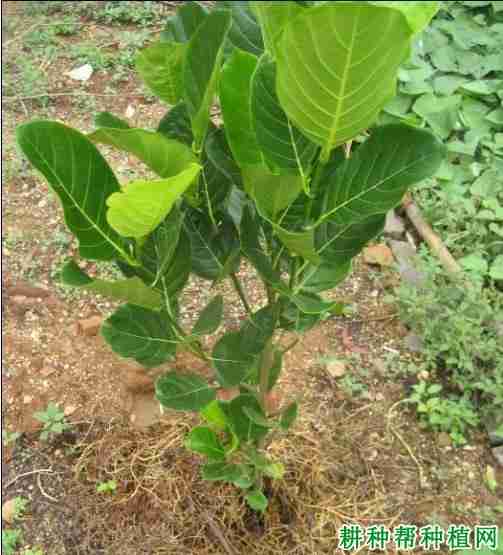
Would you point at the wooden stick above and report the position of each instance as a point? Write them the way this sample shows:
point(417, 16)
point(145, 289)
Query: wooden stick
point(427, 233)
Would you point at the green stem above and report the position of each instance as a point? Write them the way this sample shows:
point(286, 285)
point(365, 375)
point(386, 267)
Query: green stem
point(293, 272)
point(241, 292)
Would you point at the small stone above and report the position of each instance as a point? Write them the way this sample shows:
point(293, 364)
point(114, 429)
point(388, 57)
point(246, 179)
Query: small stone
point(69, 410)
point(408, 263)
point(9, 511)
point(494, 426)
point(139, 382)
point(424, 375)
point(130, 111)
point(336, 368)
point(81, 73)
point(414, 343)
point(90, 326)
point(498, 454)
point(27, 399)
point(379, 396)
point(380, 255)
point(394, 226)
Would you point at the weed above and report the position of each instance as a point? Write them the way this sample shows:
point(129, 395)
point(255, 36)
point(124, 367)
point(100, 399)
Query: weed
point(9, 437)
point(20, 506)
point(106, 487)
point(120, 12)
point(90, 54)
point(53, 419)
point(10, 541)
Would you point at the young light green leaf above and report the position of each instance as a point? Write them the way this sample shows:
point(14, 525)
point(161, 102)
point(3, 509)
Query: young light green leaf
point(283, 146)
point(272, 193)
point(143, 205)
point(141, 334)
point(235, 99)
point(81, 178)
point(188, 392)
point(205, 441)
point(496, 270)
point(330, 84)
point(214, 415)
point(131, 290)
point(161, 68)
point(257, 500)
point(418, 14)
point(166, 157)
point(272, 17)
point(201, 68)
point(210, 318)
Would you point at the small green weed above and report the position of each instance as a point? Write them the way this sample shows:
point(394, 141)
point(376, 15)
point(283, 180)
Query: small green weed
point(20, 506)
point(120, 13)
point(10, 541)
point(445, 415)
point(9, 437)
point(53, 419)
point(106, 487)
point(90, 54)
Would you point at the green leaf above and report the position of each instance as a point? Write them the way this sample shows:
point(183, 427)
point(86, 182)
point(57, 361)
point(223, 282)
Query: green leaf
point(398, 156)
point(142, 334)
point(205, 441)
point(448, 84)
point(418, 14)
point(166, 157)
point(496, 116)
point(217, 471)
point(245, 32)
point(161, 68)
point(202, 63)
point(337, 67)
point(182, 26)
point(231, 362)
point(214, 415)
point(310, 303)
point(283, 146)
point(257, 500)
point(174, 276)
point(299, 243)
point(323, 277)
point(215, 253)
point(244, 428)
point(176, 125)
point(106, 119)
point(272, 17)
point(496, 271)
point(272, 193)
point(484, 87)
point(210, 318)
point(131, 290)
point(289, 415)
point(441, 114)
point(235, 99)
point(474, 263)
point(188, 392)
point(143, 205)
point(258, 418)
point(82, 180)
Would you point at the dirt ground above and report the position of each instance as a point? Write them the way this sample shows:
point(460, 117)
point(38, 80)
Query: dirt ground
point(356, 454)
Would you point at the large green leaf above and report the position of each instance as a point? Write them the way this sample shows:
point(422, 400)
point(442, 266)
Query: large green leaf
point(143, 205)
point(176, 273)
point(299, 243)
point(81, 178)
point(215, 252)
point(273, 16)
point(378, 174)
point(131, 290)
point(210, 318)
point(336, 68)
point(418, 14)
point(323, 277)
point(201, 68)
point(205, 441)
point(141, 334)
point(235, 99)
point(182, 26)
point(183, 391)
point(245, 32)
point(272, 193)
point(166, 157)
point(281, 143)
point(161, 68)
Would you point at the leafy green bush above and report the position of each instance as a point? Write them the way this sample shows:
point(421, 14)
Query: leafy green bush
point(460, 323)
point(276, 183)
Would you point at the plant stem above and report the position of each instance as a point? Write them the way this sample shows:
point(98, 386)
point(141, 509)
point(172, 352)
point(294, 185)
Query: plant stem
point(265, 366)
point(240, 292)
